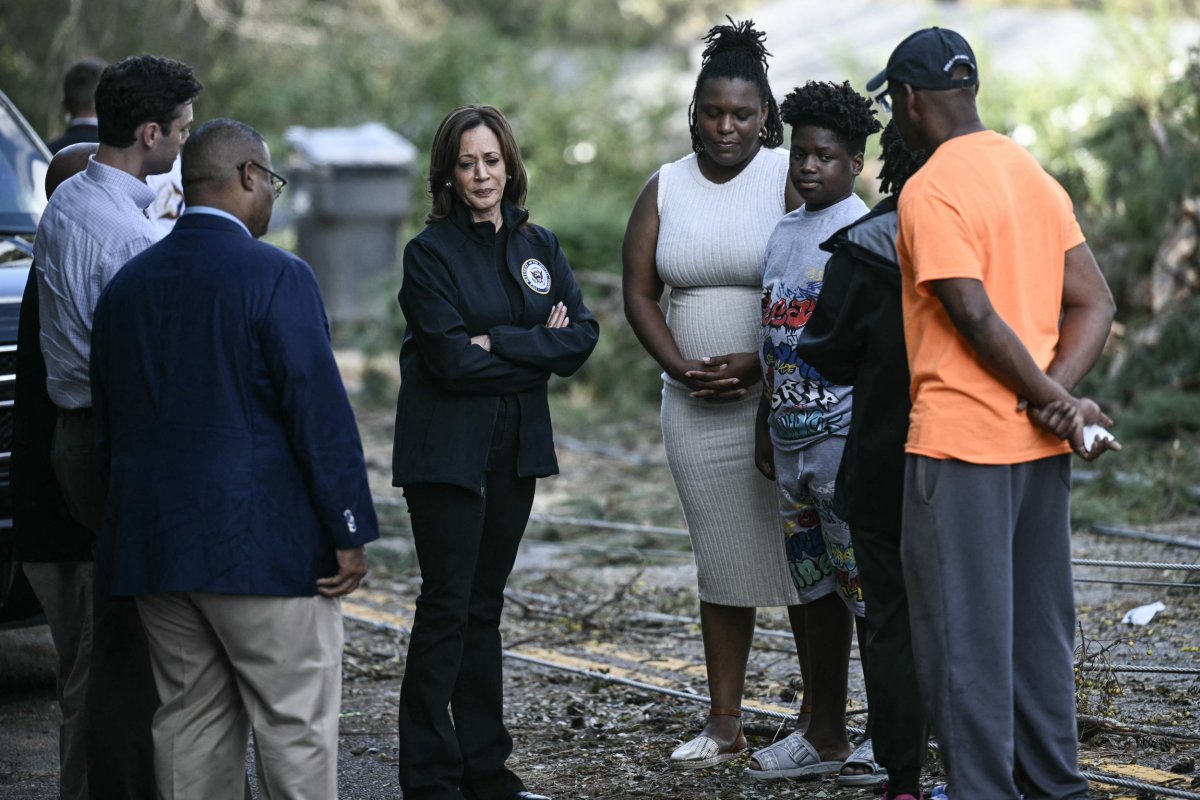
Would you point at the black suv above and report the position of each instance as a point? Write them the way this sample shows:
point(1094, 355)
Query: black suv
point(23, 162)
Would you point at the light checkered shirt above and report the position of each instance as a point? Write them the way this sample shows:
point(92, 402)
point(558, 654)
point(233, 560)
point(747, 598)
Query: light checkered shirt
point(94, 223)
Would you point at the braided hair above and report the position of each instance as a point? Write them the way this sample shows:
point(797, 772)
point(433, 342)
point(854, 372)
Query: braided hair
point(899, 163)
point(834, 107)
point(736, 51)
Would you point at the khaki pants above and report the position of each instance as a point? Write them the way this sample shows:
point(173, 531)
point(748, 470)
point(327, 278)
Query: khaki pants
point(227, 665)
point(65, 591)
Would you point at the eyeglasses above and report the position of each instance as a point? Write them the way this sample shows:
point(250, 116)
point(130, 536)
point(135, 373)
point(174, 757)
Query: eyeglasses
point(885, 101)
point(277, 180)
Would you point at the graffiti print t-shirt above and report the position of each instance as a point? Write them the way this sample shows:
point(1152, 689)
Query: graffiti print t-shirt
point(805, 407)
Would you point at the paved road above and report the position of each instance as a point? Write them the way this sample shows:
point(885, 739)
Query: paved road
point(28, 715)
point(29, 723)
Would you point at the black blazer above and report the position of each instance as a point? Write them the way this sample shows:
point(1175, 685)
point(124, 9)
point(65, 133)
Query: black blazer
point(450, 388)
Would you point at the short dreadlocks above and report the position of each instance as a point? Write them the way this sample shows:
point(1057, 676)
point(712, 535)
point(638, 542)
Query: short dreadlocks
point(899, 163)
point(834, 107)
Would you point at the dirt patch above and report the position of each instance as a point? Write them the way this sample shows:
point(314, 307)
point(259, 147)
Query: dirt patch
point(608, 604)
point(582, 736)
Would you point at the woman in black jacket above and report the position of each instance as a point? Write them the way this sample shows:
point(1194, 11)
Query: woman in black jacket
point(492, 311)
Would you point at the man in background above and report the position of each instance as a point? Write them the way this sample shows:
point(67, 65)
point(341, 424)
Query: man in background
point(79, 89)
point(92, 225)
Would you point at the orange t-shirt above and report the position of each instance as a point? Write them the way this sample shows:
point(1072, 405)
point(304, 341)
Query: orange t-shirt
point(981, 208)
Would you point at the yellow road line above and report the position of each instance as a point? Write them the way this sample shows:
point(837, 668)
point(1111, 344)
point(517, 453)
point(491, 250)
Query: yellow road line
point(602, 650)
point(371, 615)
point(574, 662)
point(676, 665)
point(380, 598)
point(374, 616)
point(617, 671)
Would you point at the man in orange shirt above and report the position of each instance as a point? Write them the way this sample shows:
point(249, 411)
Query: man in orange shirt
point(1005, 310)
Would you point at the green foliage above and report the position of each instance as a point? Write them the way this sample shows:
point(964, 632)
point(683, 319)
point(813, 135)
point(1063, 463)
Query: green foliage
point(1168, 360)
point(1123, 139)
point(561, 71)
point(1151, 158)
point(1124, 143)
point(1152, 154)
point(1161, 414)
point(627, 23)
point(1146, 483)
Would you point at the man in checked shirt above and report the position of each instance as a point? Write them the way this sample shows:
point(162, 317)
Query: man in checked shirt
point(93, 224)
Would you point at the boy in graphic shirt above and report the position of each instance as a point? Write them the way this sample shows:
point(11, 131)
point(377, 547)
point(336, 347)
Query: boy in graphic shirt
point(803, 420)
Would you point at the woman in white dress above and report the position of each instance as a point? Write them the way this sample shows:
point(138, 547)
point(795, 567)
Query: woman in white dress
point(700, 226)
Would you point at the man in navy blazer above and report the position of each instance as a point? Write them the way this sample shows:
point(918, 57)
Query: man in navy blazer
point(238, 503)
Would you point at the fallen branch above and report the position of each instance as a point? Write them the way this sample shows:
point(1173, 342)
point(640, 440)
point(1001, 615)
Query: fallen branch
point(1117, 726)
point(615, 597)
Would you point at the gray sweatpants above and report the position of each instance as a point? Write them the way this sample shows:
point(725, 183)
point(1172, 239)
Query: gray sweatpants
point(987, 561)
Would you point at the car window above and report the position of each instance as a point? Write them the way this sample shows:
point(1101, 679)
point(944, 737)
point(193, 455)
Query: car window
point(22, 175)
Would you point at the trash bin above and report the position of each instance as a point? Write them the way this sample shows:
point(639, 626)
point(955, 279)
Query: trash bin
point(352, 189)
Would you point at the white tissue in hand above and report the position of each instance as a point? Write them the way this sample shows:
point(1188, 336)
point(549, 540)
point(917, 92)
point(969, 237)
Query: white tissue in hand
point(1093, 434)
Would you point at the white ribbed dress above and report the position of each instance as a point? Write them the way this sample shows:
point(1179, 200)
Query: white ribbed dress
point(711, 238)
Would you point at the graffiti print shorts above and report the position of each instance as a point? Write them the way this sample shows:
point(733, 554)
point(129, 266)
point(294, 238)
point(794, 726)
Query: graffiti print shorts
point(819, 553)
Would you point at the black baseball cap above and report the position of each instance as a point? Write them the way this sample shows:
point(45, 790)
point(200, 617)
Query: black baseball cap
point(926, 60)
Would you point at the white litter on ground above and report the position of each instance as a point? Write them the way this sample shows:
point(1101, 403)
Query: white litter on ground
point(1143, 614)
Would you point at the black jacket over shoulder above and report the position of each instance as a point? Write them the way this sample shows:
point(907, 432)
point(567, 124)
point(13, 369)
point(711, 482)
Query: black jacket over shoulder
point(43, 528)
point(450, 388)
point(855, 337)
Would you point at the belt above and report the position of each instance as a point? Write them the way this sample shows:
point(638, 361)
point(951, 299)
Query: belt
point(84, 413)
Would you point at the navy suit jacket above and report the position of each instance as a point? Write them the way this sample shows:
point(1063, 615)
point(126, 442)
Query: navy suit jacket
point(235, 461)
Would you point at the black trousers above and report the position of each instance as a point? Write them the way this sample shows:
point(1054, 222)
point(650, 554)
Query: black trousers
point(121, 695)
point(466, 545)
point(900, 730)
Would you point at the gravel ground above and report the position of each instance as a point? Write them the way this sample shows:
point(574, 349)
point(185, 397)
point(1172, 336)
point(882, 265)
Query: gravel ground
point(575, 600)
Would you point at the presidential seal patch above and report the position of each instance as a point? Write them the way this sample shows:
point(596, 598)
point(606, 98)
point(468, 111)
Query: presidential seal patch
point(536, 276)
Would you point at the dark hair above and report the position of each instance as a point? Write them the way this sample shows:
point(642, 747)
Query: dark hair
point(834, 107)
point(213, 151)
point(79, 85)
point(141, 89)
point(899, 163)
point(737, 51)
point(443, 154)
